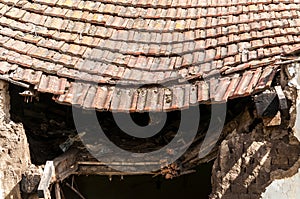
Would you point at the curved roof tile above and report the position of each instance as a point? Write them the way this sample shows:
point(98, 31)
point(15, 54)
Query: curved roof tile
point(141, 55)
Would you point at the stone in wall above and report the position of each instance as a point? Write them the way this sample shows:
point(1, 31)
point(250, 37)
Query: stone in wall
point(288, 187)
point(249, 161)
point(14, 150)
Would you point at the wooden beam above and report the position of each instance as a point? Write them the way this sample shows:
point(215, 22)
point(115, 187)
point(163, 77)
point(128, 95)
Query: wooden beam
point(65, 164)
point(90, 169)
point(8, 79)
point(119, 163)
point(288, 62)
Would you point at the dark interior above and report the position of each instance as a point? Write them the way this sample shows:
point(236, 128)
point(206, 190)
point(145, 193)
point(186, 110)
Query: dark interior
point(48, 124)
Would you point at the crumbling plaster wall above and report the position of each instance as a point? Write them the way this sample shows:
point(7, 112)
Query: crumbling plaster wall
point(14, 150)
point(284, 188)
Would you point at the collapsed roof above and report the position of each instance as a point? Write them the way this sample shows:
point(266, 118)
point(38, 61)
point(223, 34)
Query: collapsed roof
point(137, 56)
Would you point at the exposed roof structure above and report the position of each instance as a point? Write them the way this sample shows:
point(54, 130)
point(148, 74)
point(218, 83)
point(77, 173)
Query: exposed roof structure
point(141, 55)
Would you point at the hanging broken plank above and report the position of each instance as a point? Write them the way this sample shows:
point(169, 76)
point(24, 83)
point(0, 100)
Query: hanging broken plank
point(46, 179)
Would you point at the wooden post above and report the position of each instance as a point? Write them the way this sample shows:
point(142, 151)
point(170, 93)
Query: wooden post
point(57, 191)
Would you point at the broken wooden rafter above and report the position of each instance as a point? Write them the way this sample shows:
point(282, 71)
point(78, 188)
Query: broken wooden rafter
point(57, 191)
point(65, 165)
point(288, 62)
point(75, 191)
point(8, 79)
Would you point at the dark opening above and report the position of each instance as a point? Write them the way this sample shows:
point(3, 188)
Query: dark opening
point(48, 125)
point(187, 186)
point(141, 119)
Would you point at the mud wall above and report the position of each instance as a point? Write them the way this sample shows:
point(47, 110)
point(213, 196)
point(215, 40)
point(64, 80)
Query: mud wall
point(14, 151)
point(258, 161)
point(288, 187)
point(249, 162)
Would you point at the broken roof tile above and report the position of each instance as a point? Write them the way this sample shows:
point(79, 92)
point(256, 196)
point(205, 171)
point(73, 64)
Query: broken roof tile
point(52, 84)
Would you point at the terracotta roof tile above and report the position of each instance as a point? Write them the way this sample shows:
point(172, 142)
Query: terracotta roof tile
point(52, 84)
point(146, 44)
point(5, 67)
point(26, 75)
